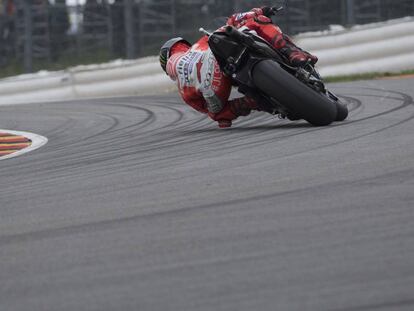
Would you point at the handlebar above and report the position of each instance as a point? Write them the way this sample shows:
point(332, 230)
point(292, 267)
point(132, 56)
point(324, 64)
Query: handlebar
point(272, 10)
point(277, 9)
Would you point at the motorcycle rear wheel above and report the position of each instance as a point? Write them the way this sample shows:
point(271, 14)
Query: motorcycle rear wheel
point(274, 81)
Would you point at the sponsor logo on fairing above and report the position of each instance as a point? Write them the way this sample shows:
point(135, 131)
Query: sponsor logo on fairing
point(185, 67)
point(199, 65)
point(210, 71)
point(213, 75)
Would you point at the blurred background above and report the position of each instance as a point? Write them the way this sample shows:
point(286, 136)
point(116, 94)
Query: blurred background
point(55, 34)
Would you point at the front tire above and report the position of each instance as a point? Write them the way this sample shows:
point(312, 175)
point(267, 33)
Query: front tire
point(315, 108)
point(342, 111)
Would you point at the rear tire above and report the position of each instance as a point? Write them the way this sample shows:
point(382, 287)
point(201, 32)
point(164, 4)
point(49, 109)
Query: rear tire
point(315, 108)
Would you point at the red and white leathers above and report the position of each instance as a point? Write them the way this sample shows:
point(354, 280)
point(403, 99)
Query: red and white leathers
point(203, 85)
point(262, 25)
point(201, 82)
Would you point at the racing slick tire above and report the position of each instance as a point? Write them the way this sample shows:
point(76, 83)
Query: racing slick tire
point(273, 80)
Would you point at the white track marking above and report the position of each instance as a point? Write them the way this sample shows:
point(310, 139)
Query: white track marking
point(37, 142)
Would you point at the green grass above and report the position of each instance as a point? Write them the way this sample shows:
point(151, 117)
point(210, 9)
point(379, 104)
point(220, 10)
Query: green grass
point(367, 76)
point(12, 69)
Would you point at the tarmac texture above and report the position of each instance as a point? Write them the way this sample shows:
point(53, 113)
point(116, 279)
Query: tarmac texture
point(144, 204)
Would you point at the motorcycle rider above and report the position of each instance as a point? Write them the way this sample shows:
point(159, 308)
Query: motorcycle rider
point(201, 82)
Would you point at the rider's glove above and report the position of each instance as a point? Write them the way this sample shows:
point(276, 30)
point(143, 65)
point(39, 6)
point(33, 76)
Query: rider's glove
point(242, 107)
point(223, 123)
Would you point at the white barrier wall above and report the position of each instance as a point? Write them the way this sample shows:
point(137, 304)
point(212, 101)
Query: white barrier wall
point(119, 78)
point(380, 47)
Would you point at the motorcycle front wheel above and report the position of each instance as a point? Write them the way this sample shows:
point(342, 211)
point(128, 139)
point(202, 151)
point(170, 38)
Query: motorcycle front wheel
point(342, 111)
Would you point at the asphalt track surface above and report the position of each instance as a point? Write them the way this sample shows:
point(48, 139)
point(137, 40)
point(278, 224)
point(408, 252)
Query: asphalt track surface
point(143, 204)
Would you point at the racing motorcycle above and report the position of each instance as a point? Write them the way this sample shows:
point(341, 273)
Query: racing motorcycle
point(263, 73)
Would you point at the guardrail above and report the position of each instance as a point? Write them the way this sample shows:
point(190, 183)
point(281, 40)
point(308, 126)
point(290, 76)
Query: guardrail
point(118, 78)
point(379, 47)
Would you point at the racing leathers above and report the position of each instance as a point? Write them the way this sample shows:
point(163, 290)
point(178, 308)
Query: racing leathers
point(205, 87)
point(202, 84)
point(255, 20)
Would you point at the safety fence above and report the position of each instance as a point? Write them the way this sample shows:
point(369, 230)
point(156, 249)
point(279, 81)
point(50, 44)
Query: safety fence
point(55, 34)
point(379, 47)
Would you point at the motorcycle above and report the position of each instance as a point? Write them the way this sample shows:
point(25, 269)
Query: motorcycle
point(264, 74)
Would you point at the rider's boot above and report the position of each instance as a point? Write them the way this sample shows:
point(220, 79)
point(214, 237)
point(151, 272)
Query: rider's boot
point(296, 55)
point(243, 106)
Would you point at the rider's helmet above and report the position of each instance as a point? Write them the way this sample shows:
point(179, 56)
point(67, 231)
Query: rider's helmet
point(165, 51)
